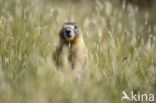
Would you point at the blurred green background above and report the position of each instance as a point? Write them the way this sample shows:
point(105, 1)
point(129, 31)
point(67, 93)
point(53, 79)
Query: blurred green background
point(120, 36)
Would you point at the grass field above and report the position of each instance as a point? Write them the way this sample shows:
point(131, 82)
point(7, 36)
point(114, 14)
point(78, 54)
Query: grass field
point(121, 42)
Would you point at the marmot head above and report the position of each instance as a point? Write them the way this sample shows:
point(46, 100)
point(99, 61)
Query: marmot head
point(70, 31)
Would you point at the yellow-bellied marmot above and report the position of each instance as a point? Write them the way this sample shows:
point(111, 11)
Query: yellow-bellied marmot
point(71, 49)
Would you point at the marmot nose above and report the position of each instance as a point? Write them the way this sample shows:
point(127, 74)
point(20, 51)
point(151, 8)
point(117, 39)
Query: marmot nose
point(68, 31)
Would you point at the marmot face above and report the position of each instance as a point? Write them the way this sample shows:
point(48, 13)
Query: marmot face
point(70, 31)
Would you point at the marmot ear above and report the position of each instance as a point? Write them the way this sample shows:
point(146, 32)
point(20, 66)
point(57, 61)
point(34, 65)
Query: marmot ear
point(64, 24)
point(77, 25)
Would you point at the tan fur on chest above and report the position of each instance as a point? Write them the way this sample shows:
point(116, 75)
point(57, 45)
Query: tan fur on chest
point(72, 53)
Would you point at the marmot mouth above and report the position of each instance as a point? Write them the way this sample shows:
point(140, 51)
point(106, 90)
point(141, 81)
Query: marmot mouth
point(69, 36)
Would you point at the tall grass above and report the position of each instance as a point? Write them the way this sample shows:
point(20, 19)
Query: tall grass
point(121, 43)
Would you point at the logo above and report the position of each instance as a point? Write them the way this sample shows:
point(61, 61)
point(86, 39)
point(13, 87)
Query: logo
point(137, 97)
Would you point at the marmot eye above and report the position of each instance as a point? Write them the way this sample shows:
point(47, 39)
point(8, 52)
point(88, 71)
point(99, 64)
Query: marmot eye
point(75, 27)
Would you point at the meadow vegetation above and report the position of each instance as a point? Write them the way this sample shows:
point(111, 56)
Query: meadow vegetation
point(121, 42)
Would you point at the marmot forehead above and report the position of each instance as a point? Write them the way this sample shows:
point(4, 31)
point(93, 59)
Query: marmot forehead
point(70, 24)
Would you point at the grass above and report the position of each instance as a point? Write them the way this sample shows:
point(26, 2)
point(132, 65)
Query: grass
point(121, 49)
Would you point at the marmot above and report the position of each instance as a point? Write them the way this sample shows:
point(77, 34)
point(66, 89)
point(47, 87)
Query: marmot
point(71, 49)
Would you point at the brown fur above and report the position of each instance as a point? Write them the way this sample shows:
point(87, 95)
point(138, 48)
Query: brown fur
point(72, 53)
